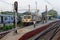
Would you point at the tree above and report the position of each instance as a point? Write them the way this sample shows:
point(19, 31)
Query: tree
point(53, 13)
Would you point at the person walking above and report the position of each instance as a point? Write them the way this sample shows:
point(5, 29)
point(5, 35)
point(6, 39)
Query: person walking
point(34, 23)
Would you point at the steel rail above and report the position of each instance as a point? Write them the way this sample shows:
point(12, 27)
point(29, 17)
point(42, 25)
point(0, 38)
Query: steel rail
point(53, 27)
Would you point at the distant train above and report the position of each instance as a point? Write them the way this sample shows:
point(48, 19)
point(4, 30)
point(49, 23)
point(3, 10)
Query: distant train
point(6, 19)
point(27, 19)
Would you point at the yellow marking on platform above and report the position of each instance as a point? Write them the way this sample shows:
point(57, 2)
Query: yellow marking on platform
point(21, 30)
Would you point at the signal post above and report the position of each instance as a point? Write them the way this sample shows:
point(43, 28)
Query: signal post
point(15, 15)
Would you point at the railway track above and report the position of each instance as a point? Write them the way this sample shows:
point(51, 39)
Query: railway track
point(2, 35)
point(49, 34)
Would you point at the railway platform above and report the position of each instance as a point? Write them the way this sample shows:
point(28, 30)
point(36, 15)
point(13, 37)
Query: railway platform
point(28, 32)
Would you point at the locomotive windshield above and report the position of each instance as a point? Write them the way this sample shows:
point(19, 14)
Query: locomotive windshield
point(27, 17)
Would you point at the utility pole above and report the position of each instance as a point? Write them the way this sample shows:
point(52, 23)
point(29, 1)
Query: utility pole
point(46, 13)
point(15, 17)
point(2, 19)
point(36, 8)
point(29, 8)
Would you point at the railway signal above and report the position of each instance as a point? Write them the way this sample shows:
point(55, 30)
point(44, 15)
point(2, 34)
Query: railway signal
point(16, 6)
point(15, 10)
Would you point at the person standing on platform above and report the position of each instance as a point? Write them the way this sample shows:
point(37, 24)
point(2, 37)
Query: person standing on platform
point(34, 23)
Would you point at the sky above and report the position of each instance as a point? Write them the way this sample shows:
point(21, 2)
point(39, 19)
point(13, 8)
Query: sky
point(7, 5)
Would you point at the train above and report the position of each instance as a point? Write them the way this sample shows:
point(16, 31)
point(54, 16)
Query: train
point(6, 19)
point(28, 19)
point(25, 19)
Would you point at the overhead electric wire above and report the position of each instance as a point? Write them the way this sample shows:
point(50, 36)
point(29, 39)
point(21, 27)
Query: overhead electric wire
point(5, 2)
point(49, 3)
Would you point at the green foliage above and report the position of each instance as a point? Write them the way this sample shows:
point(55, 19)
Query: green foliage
point(10, 13)
point(53, 13)
point(7, 27)
point(7, 13)
point(1, 29)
